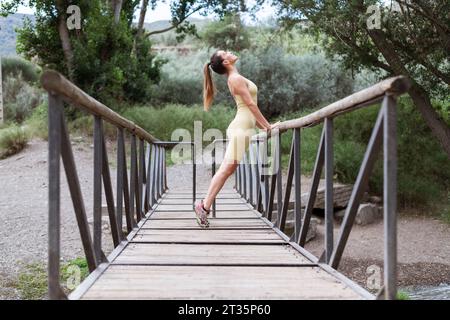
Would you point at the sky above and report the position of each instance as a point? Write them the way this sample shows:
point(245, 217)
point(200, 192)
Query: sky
point(162, 12)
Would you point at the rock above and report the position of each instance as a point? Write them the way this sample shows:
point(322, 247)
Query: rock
point(290, 206)
point(380, 212)
point(341, 195)
point(367, 214)
point(375, 199)
point(339, 214)
point(312, 230)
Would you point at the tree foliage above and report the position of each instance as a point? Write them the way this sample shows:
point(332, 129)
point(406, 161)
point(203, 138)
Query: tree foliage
point(228, 33)
point(412, 38)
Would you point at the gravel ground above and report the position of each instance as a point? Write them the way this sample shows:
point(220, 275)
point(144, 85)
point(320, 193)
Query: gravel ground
point(423, 251)
point(424, 243)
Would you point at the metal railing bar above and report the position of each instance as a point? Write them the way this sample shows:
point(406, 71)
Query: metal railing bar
point(271, 196)
point(119, 179)
point(76, 195)
point(329, 206)
point(277, 156)
point(165, 187)
point(390, 196)
point(141, 179)
point(131, 223)
point(358, 189)
point(265, 177)
point(249, 176)
point(317, 172)
point(287, 192)
point(160, 151)
point(97, 210)
point(158, 170)
point(148, 201)
point(244, 171)
point(258, 180)
point(153, 175)
point(297, 185)
point(54, 221)
point(161, 172)
point(194, 175)
point(213, 172)
point(115, 231)
point(133, 182)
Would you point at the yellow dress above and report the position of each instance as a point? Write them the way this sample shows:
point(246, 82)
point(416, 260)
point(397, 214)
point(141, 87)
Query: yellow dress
point(241, 128)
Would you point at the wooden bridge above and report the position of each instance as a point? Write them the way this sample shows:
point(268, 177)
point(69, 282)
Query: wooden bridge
point(161, 252)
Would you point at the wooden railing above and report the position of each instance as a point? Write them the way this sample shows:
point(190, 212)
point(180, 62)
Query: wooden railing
point(257, 183)
point(147, 175)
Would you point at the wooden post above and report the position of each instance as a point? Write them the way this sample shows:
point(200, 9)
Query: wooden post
point(1, 93)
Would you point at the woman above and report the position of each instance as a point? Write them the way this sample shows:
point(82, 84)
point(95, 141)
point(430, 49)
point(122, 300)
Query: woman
point(248, 116)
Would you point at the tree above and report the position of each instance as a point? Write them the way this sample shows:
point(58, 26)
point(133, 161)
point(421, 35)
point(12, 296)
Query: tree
point(105, 57)
point(183, 9)
point(98, 57)
point(412, 40)
point(227, 33)
point(116, 6)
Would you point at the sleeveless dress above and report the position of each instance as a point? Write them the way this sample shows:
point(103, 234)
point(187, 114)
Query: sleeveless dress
point(241, 128)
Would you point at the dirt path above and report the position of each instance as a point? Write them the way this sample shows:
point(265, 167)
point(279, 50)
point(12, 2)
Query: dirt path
point(423, 251)
point(23, 222)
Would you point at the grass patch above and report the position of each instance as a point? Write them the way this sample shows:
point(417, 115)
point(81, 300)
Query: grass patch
point(37, 124)
point(12, 140)
point(402, 295)
point(175, 121)
point(32, 281)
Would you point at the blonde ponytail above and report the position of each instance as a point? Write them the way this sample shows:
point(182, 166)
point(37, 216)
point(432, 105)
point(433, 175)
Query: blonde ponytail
point(208, 88)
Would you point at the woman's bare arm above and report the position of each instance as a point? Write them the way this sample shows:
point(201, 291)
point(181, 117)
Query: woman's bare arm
point(239, 86)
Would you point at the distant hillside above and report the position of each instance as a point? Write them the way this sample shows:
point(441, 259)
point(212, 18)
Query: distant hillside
point(169, 38)
point(162, 24)
point(8, 36)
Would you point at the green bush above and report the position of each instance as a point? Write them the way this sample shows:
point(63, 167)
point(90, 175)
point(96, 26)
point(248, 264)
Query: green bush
point(20, 98)
point(15, 66)
point(423, 167)
point(228, 34)
point(161, 122)
point(285, 82)
point(106, 52)
point(37, 123)
point(180, 87)
point(12, 140)
point(288, 82)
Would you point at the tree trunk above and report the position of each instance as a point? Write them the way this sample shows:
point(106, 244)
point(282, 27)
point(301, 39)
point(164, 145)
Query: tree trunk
point(420, 97)
point(437, 125)
point(61, 6)
point(117, 9)
point(140, 27)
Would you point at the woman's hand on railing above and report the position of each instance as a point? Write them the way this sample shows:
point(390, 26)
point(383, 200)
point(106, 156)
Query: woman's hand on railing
point(275, 125)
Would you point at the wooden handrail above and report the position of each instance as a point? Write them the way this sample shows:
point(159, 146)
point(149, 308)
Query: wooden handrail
point(394, 86)
point(56, 83)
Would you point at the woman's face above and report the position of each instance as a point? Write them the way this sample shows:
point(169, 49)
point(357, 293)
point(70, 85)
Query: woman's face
point(227, 55)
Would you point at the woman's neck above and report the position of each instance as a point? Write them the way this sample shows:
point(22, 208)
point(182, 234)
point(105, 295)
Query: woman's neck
point(232, 70)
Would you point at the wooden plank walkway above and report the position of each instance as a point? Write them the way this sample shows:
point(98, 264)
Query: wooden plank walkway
point(239, 257)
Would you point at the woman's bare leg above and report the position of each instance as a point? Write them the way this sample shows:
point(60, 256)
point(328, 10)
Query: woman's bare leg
point(226, 169)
